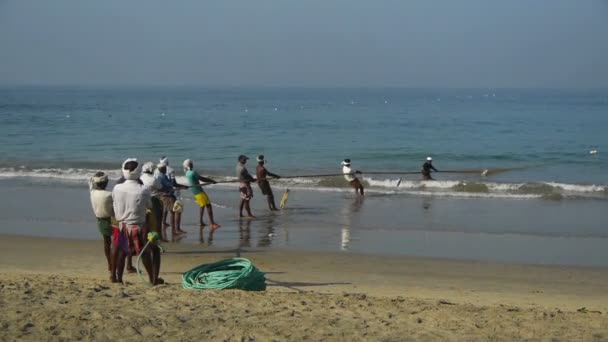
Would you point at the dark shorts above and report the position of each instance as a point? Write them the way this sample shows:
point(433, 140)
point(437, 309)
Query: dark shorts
point(356, 183)
point(154, 222)
point(265, 187)
point(105, 226)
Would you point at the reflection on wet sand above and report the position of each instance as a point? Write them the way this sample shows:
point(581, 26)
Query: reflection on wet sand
point(266, 231)
point(347, 215)
point(201, 236)
point(245, 233)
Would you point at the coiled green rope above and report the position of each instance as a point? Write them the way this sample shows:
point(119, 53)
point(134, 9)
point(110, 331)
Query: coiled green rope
point(235, 273)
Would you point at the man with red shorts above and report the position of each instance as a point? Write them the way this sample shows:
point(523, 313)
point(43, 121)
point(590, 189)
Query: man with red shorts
point(131, 201)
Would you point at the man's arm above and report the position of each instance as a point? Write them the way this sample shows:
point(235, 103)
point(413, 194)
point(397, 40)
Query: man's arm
point(177, 185)
point(434, 169)
point(206, 180)
point(272, 174)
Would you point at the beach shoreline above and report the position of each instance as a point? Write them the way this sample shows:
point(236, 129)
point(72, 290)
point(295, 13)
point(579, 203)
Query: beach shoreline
point(426, 298)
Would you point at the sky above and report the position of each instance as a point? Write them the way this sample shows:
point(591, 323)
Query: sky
point(401, 43)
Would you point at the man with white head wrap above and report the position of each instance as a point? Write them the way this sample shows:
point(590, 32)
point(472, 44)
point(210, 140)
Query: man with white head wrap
point(426, 169)
point(153, 181)
point(131, 201)
point(101, 201)
point(262, 174)
point(351, 177)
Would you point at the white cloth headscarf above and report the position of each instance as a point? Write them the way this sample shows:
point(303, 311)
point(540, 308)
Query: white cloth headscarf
point(131, 175)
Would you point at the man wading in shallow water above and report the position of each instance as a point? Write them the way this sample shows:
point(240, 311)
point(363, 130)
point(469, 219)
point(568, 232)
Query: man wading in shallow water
point(262, 175)
point(426, 169)
point(350, 176)
point(131, 201)
point(200, 196)
point(245, 180)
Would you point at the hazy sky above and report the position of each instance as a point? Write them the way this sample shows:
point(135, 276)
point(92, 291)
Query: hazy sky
point(425, 43)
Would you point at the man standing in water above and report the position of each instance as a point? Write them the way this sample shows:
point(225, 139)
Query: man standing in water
point(245, 180)
point(200, 196)
point(349, 175)
point(262, 175)
point(426, 169)
point(172, 205)
point(131, 201)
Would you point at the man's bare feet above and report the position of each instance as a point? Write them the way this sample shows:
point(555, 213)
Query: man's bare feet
point(215, 226)
point(251, 217)
point(131, 269)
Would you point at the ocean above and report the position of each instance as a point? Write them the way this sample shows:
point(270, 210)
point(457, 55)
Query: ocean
point(543, 149)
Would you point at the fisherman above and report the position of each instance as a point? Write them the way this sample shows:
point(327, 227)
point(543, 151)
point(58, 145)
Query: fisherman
point(350, 176)
point(101, 201)
point(200, 196)
point(262, 175)
point(131, 201)
point(245, 180)
point(426, 169)
point(174, 205)
point(153, 184)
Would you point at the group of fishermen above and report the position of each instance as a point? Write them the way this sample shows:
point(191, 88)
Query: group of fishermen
point(351, 176)
point(135, 212)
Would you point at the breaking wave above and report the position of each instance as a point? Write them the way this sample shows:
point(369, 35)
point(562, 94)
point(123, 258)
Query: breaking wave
point(444, 188)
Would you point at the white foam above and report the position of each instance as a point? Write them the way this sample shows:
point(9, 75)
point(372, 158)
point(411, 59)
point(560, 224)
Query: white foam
point(472, 194)
point(578, 188)
point(443, 188)
point(385, 183)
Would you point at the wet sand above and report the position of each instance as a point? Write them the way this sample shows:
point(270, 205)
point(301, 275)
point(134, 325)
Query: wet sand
point(514, 231)
point(57, 289)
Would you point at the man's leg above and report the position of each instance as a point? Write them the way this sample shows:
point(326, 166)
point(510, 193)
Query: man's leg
point(201, 215)
point(118, 263)
point(107, 245)
point(248, 208)
point(178, 220)
point(214, 225)
point(156, 264)
point(241, 206)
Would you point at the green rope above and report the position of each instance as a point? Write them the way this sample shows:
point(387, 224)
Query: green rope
point(235, 273)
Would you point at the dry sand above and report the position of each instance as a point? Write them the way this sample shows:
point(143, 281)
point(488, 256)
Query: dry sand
point(54, 289)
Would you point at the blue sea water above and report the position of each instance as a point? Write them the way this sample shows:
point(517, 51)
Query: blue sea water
point(62, 133)
point(542, 201)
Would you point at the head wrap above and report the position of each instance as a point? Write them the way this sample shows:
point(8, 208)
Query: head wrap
point(164, 161)
point(260, 158)
point(346, 162)
point(148, 167)
point(131, 175)
point(187, 164)
point(99, 177)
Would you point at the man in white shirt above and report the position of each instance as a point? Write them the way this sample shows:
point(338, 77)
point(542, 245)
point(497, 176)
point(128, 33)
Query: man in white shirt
point(101, 201)
point(131, 201)
point(349, 175)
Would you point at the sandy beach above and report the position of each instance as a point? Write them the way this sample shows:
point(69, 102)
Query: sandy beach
point(57, 289)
